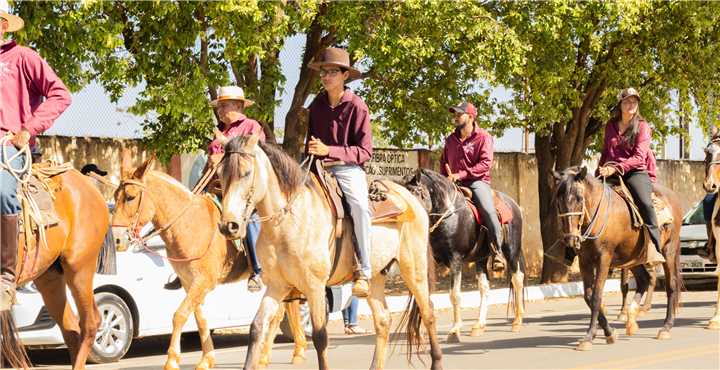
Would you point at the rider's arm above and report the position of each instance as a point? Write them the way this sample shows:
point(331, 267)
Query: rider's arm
point(361, 137)
point(47, 84)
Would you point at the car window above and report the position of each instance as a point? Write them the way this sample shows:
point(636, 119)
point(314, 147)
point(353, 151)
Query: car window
point(696, 216)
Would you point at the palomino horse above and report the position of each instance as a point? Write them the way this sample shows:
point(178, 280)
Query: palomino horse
point(197, 251)
point(596, 222)
point(456, 239)
point(70, 260)
point(711, 185)
point(297, 246)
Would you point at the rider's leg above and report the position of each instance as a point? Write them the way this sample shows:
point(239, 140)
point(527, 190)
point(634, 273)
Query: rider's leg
point(640, 187)
point(708, 206)
point(353, 183)
point(483, 199)
point(9, 209)
point(253, 232)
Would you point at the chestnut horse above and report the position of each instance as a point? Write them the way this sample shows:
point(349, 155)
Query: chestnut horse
point(68, 261)
point(596, 222)
point(197, 251)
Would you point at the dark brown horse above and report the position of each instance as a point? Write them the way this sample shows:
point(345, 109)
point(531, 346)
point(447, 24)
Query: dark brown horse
point(596, 222)
point(711, 185)
point(70, 260)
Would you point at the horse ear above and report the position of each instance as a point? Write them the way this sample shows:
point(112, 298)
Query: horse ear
point(126, 168)
point(141, 171)
point(252, 141)
point(581, 175)
point(557, 176)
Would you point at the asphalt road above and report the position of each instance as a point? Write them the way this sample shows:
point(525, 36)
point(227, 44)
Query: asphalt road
point(547, 341)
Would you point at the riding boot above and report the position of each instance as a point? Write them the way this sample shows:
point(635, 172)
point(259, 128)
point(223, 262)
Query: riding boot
point(655, 256)
point(8, 259)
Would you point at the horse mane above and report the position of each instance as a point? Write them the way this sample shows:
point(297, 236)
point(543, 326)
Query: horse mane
point(438, 186)
point(288, 172)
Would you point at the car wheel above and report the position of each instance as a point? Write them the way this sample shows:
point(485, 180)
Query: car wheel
point(116, 330)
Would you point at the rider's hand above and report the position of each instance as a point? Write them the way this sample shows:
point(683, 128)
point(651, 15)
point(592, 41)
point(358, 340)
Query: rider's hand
point(607, 171)
point(453, 177)
point(21, 139)
point(316, 147)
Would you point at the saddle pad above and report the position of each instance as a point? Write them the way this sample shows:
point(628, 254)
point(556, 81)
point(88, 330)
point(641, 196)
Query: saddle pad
point(504, 212)
point(664, 215)
point(40, 194)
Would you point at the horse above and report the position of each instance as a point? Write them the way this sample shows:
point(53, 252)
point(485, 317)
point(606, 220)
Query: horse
point(200, 255)
point(595, 221)
point(456, 239)
point(711, 185)
point(67, 259)
point(298, 247)
point(625, 288)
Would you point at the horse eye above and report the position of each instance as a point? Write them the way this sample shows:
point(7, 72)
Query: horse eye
point(130, 198)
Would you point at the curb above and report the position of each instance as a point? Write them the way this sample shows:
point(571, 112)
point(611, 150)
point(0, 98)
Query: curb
point(471, 299)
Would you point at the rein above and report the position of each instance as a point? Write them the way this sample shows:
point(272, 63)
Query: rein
point(587, 234)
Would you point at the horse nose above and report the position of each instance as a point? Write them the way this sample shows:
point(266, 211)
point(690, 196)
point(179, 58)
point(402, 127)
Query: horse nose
point(231, 229)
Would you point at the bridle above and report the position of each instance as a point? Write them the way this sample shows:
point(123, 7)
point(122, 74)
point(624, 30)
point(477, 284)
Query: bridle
point(583, 214)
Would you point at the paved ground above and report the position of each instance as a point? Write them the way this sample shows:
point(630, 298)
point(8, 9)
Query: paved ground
point(547, 341)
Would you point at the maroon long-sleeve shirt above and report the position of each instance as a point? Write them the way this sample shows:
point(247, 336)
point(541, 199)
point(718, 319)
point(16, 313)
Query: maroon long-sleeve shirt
point(630, 157)
point(470, 159)
point(345, 129)
point(243, 126)
point(31, 94)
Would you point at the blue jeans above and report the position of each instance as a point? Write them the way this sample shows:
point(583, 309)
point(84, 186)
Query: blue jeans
point(708, 204)
point(350, 313)
point(253, 231)
point(9, 202)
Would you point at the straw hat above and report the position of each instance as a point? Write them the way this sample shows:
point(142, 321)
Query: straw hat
point(231, 93)
point(15, 23)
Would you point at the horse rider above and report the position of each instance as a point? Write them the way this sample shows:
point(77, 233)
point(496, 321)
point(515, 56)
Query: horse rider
point(626, 152)
point(467, 159)
point(339, 132)
point(32, 98)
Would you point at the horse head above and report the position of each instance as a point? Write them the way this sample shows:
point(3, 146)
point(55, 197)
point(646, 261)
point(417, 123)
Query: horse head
point(570, 202)
point(133, 208)
point(712, 160)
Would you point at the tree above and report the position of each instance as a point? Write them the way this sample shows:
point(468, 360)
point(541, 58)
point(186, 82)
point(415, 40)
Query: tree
point(578, 55)
point(419, 56)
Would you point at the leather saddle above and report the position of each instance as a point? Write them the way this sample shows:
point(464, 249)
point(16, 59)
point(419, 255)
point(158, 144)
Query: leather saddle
point(42, 195)
point(664, 215)
point(504, 211)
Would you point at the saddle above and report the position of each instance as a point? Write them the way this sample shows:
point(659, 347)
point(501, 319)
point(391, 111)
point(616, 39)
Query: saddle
point(647, 254)
point(386, 206)
point(504, 211)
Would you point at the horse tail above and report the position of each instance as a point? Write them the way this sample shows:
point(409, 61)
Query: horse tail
point(106, 262)
point(12, 351)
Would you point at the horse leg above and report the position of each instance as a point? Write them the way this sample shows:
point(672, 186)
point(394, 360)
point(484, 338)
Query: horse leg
point(316, 303)
point(51, 285)
point(647, 303)
point(293, 312)
point(714, 323)
point(381, 320)
point(194, 296)
point(594, 284)
point(642, 281)
point(673, 287)
point(80, 284)
point(455, 289)
point(518, 281)
point(259, 329)
point(207, 361)
point(270, 337)
point(624, 288)
point(484, 289)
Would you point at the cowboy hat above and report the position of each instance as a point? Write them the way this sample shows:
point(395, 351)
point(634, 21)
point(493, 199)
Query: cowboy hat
point(231, 93)
point(15, 23)
point(335, 57)
point(627, 93)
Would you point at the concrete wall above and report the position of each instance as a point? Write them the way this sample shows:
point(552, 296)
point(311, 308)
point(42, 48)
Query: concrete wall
point(513, 173)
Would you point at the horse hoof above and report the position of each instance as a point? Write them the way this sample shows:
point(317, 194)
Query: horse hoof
point(476, 332)
point(622, 317)
point(584, 346)
point(171, 365)
point(713, 325)
point(298, 360)
point(453, 338)
point(663, 335)
point(611, 339)
point(631, 329)
point(516, 328)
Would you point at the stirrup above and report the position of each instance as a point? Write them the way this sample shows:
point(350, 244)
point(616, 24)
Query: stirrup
point(255, 283)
